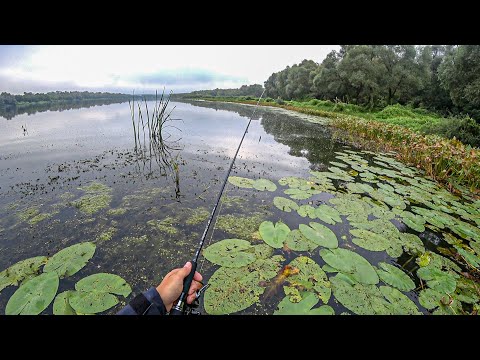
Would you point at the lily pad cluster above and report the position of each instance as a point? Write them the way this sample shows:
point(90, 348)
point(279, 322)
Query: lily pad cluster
point(38, 287)
point(387, 208)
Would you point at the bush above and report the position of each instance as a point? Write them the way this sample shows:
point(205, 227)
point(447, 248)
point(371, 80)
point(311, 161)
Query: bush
point(314, 102)
point(279, 101)
point(396, 111)
point(466, 129)
point(268, 99)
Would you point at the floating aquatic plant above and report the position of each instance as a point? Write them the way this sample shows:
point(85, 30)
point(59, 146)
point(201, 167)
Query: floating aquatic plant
point(70, 260)
point(233, 253)
point(304, 307)
point(33, 296)
point(274, 235)
point(319, 234)
point(285, 204)
point(21, 271)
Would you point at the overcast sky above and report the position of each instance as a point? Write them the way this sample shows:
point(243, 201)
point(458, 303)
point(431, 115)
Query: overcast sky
point(123, 68)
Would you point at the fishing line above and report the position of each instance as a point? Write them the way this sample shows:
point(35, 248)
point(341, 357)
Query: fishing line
point(178, 309)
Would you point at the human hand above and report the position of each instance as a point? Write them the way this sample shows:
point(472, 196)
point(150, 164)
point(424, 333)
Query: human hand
point(172, 285)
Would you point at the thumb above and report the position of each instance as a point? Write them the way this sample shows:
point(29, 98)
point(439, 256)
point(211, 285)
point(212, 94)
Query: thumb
point(185, 270)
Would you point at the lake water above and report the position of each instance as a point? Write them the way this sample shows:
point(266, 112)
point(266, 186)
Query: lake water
point(150, 218)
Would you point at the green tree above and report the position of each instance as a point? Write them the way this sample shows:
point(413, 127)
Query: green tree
point(459, 74)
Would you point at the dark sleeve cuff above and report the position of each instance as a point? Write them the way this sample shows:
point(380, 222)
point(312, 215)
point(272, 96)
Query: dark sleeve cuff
point(147, 303)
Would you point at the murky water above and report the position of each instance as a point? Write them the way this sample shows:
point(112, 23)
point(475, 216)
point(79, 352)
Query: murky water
point(146, 223)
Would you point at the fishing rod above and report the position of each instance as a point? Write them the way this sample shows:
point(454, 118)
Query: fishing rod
point(179, 308)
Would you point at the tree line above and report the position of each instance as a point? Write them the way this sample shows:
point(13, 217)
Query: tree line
point(254, 90)
point(9, 101)
point(442, 78)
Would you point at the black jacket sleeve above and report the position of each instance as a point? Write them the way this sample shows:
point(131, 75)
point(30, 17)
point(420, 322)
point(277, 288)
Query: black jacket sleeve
point(146, 303)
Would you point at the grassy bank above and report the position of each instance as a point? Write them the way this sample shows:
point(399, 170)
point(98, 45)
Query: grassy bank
point(448, 161)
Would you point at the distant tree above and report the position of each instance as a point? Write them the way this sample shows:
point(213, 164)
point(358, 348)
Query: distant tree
point(459, 74)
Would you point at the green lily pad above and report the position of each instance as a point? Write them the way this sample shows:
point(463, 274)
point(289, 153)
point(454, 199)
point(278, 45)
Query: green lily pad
point(470, 258)
point(328, 214)
point(319, 234)
point(311, 278)
point(329, 269)
point(413, 221)
point(21, 271)
point(431, 299)
point(68, 261)
point(235, 289)
point(33, 296)
point(400, 304)
point(232, 253)
point(340, 165)
point(264, 184)
point(304, 307)
point(299, 194)
point(412, 244)
point(359, 188)
point(263, 251)
point(307, 210)
point(386, 187)
point(241, 182)
point(369, 240)
point(292, 181)
point(359, 298)
point(284, 204)
point(61, 305)
point(395, 277)
point(466, 230)
point(273, 235)
point(349, 262)
point(91, 302)
point(438, 280)
point(104, 282)
point(298, 242)
point(467, 291)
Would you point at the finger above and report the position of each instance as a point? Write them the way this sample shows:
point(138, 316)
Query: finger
point(197, 276)
point(190, 298)
point(185, 270)
point(194, 287)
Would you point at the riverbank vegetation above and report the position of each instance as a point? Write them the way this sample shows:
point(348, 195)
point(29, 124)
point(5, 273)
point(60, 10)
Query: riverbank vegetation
point(421, 101)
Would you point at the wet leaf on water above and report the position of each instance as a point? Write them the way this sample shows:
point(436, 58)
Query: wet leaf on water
point(241, 182)
point(304, 307)
point(299, 194)
point(444, 305)
point(395, 277)
point(328, 214)
point(21, 271)
point(467, 291)
point(284, 204)
point(61, 305)
point(359, 188)
point(475, 246)
point(437, 280)
point(104, 282)
point(329, 269)
point(263, 251)
point(296, 241)
point(466, 230)
point(411, 243)
point(274, 235)
point(232, 253)
point(307, 210)
point(386, 187)
point(413, 221)
point(319, 234)
point(349, 262)
point(264, 184)
point(362, 299)
point(369, 240)
point(400, 304)
point(292, 181)
point(310, 278)
point(471, 259)
point(33, 296)
point(235, 289)
point(68, 261)
point(338, 164)
point(92, 302)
